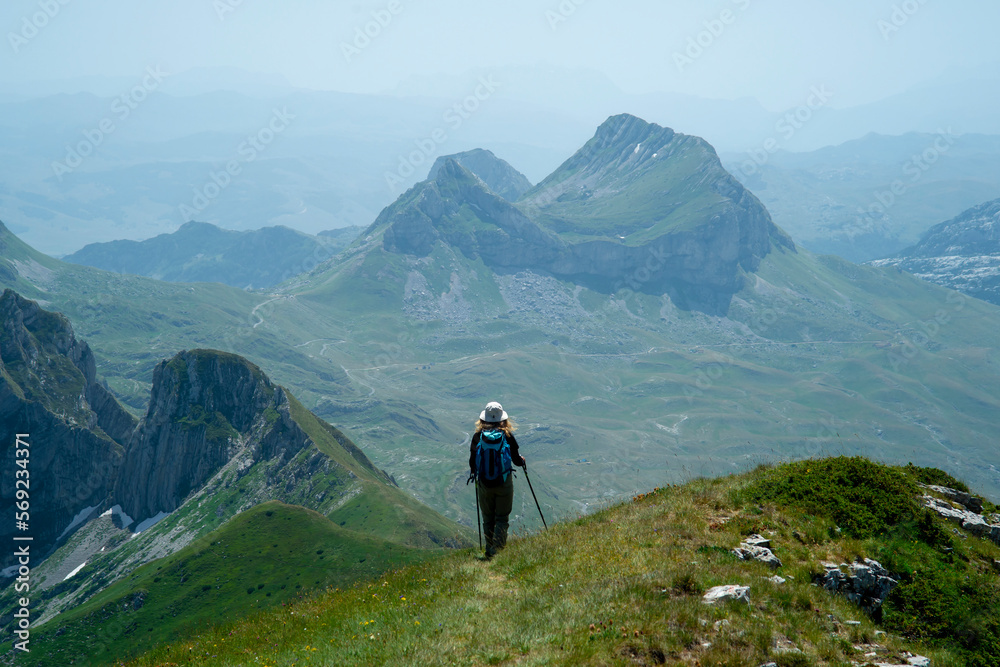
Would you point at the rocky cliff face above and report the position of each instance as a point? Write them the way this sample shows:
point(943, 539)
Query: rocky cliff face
point(639, 207)
point(496, 174)
point(49, 391)
point(204, 407)
point(963, 253)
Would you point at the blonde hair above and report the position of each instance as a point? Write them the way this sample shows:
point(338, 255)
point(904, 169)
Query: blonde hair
point(507, 426)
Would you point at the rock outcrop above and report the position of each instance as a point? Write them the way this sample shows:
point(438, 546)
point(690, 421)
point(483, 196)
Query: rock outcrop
point(757, 548)
point(207, 408)
point(76, 429)
point(726, 593)
point(866, 583)
point(971, 521)
point(203, 406)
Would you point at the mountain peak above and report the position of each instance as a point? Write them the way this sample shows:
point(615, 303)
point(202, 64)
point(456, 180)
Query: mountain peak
point(496, 174)
point(202, 406)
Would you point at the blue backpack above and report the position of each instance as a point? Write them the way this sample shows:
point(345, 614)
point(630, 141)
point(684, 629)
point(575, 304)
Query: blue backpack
point(493, 462)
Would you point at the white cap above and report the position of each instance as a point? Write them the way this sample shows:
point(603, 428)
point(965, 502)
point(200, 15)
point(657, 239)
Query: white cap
point(493, 413)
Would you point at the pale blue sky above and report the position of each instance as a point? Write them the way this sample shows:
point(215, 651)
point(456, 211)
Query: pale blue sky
point(769, 50)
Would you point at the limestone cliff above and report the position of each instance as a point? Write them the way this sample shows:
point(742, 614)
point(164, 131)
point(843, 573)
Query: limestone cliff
point(49, 391)
point(203, 405)
point(207, 408)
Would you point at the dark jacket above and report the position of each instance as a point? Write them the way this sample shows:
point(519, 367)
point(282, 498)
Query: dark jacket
point(515, 456)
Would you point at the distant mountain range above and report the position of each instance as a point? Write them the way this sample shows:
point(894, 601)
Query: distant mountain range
point(329, 168)
point(871, 197)
point(963, 253)
point(201, 252)
point(637, 310)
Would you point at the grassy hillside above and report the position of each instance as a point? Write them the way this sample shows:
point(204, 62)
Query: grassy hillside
point(624, 587)
point(267, 556)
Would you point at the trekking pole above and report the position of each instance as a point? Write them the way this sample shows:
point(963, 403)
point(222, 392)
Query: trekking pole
point(525, 468)
point(479, 525)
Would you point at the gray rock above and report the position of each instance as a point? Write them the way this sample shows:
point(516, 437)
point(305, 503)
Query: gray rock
point(919, 661)
point(866, 583)
point(970, 521)
point(202, 406)
point(967, 500)
point(757, 541)
point(760, 554)
point(726, 593)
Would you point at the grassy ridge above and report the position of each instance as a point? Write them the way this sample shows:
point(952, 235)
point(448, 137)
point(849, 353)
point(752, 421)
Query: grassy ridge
point(266, 556)
point(623, 587)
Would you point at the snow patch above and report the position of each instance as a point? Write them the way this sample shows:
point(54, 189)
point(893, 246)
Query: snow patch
point(9, 571)
point(75, 570)
point(637, 147)
point(118, 512)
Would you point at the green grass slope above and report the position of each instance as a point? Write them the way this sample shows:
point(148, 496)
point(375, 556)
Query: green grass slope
point(266, 556)
point(624, 586)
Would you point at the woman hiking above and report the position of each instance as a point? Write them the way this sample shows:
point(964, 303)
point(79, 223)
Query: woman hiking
point(492, 453)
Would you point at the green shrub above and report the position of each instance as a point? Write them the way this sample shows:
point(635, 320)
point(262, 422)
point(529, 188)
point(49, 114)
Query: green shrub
point(935, 477)
point(863, 498)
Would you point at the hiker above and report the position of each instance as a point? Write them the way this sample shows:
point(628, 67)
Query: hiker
point(491, 454)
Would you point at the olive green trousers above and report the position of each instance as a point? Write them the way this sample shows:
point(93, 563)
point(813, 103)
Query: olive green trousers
point(495, 504)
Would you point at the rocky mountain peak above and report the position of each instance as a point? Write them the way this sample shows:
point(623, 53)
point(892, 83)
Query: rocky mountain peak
point(203, 406)
point(622, 134)
point(496, 174)
point(215, 382)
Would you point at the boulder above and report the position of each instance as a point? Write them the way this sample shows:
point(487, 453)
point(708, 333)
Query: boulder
point(757, 541)
point(757, 548)
point(726, 593)
point(760, 554)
